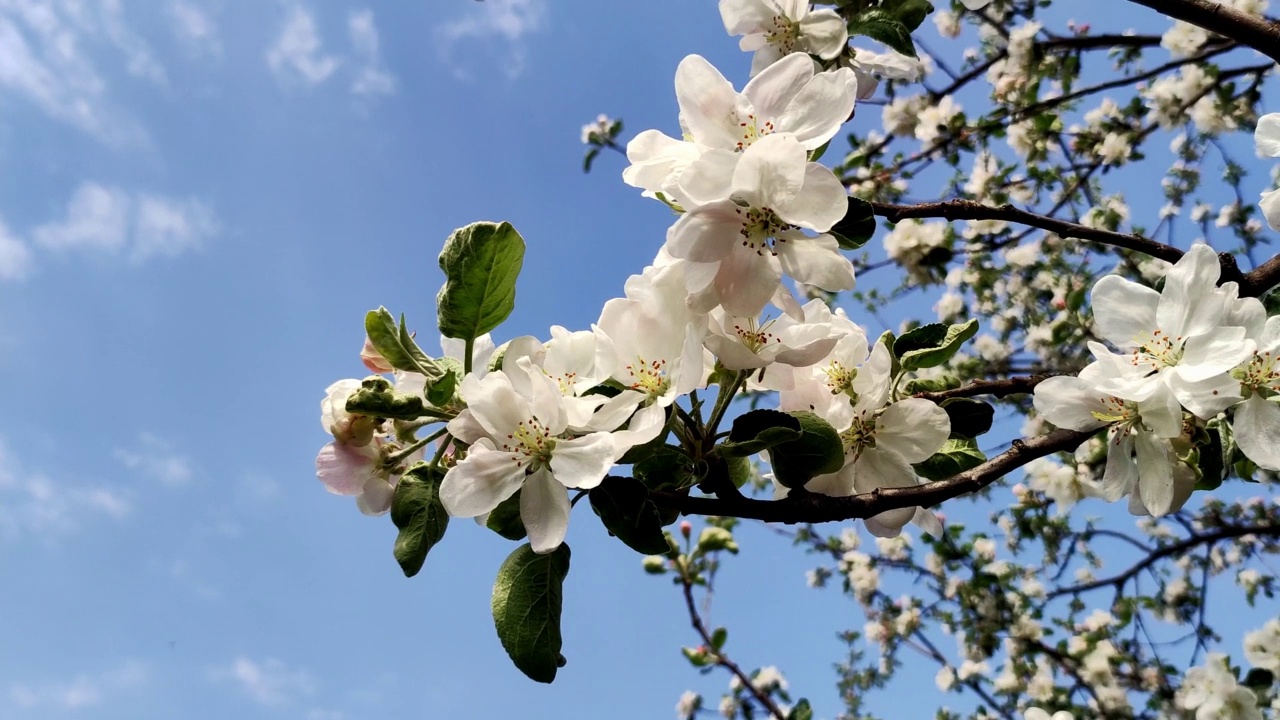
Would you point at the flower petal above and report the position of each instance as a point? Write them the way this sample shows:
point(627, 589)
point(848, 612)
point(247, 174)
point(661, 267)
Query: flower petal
point(1189, 304)
point(1257, 431)
point(771, 172)
point(1155, 473)
point(706, 234)
point(708, 103)
point(480, 482)
point(1267, 135)
point(913, 428)
point(584, 461)
point(1123, 310)
point(778, 86)
point(746, 280)
point(820, 203)
point(824, 33)
point(1121, 473)
point(544, 509)
point(1069, 402)
point(815, 261)
point(709, 178)
point(877, 468)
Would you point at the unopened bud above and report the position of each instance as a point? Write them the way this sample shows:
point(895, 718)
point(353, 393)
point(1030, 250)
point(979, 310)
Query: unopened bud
point(686, 528)
point(373, 359)
point(654, 564)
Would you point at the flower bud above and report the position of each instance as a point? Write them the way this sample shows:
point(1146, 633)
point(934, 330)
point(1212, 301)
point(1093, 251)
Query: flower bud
point(686, 528)
point(714, 538)
point(654, 564)
point(373, 359)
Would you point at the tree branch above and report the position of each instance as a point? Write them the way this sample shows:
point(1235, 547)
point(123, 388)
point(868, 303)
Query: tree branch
point(1019, 385)
point(1258, 33)
point(1261, 279)
point(805, 507)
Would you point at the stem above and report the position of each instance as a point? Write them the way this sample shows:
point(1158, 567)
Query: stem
point(415, 447)
point(467, 351)
point(723, 399)
point(444, 445)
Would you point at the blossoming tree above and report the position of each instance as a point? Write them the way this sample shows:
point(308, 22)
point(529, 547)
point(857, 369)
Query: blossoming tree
point(735, 379)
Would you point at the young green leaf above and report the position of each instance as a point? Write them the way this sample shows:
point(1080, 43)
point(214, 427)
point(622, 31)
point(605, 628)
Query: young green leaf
point(881, 25)
point(969, 417)
point(817, 451)
point(505, 519)
point(626, 511)
point(955, 456)
point(527, 600)
point(758, 430)
point(931, 345)
point(856, 227)
point(385, 403)
point(396, 345)
point(417, 512)
point(802, 711)
point(480, 262)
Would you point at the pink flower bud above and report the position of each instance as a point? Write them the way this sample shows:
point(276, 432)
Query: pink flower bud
point(686, 528)
point(373, 359)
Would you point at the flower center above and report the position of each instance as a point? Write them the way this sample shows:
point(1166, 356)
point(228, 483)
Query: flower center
point(1116, 411)
point(784, 34)
point(861, 434)
point(649, 377)
point(840, 378)
point(753, 130)
point(760, 229)
point(753, 337)
point(532, 444)
point(1158, 351)
point(1261, 372)
point(565, 382)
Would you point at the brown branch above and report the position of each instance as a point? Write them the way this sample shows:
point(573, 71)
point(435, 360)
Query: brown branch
point(1090, 42)
point(720, 658)
point(970, 210)
point(1019, 385)
point(1258, 33)
point(1259, 280)
point(1178, 548)
point(805, 507)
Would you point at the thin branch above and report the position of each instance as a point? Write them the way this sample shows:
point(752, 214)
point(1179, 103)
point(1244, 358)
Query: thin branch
point(720, 658)
point(805, 507)
point(1258, 33)
point(1019, 385)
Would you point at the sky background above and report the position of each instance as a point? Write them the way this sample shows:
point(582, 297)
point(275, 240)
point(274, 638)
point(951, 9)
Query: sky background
point(198, 203)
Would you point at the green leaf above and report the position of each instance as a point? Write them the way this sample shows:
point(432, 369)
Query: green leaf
point(758, 430)
point(1214, 457)
point(417, 512)
point(801, 711)
point(912, 13)
point(931, 345)
point(969, 418)
point(480, 262)
point(396, 345)
point(527, 600)
point(380, 401)
point(879, 24)
point(718, 638)
point(955, 456)
point(933, 384)
point(626, 511)
point(816, 154)
point(505, 519)
point(589, 158)
point(856, 227)
point(665, 468)
point(817, 451)
point(440, 392)
point(1258, 679)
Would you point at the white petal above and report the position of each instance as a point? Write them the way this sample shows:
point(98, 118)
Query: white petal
point(377, 496)
point(1123, 310)
point(707, 103)
point(877, 468)
point(1208, 397)
point(480, 482)
point(733, 354)
point(836, 484)
point(1069, 402)
point(1162, 413)
point(913, 428)
point(819, 204)
point(1155, 473)
point(818, 111)
point(815, 261)
point(766, 55)
point(544, 509)
point(496, 405)
point(1270, 205)
point(615, 411)
point(645, 425)
point(706, 234)
point(1257, 430)
point(1267, 135)
point(745, 16)
point(344, 469)
point(583, 462)
point(1214, 352)
point(771, 172)
point(709, 178)
point(776, 87)
point(466, 428)
point(1188, 304)
point(746, 280)
point(1121, 473)
point(824, 33)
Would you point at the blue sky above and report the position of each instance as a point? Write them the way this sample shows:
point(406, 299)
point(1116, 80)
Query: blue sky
point(198, 202)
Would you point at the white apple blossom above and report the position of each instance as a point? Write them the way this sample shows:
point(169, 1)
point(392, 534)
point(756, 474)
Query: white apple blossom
point(1184, 337)
point(749, 344)
point(774, 29)
point(934, 119)
point(758, 234)
point(517, 442)
point(1267, 138)
point(361, 472)
point(1262, 646)
point(689, 704)
point(881, 437)
point(1256, 420)
point(345, 427)
point(1212, 692)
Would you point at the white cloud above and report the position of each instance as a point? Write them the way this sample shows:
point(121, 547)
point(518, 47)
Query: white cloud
point(45, 58)
point(32, 503)
point(373, 77)
point(15, 256)
point(97, 217)
point(296, 54)
point(109, 219)
point(500, 25)
point(194, 29)
point(269, 682)
point(155, 458)
point(82, 691)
